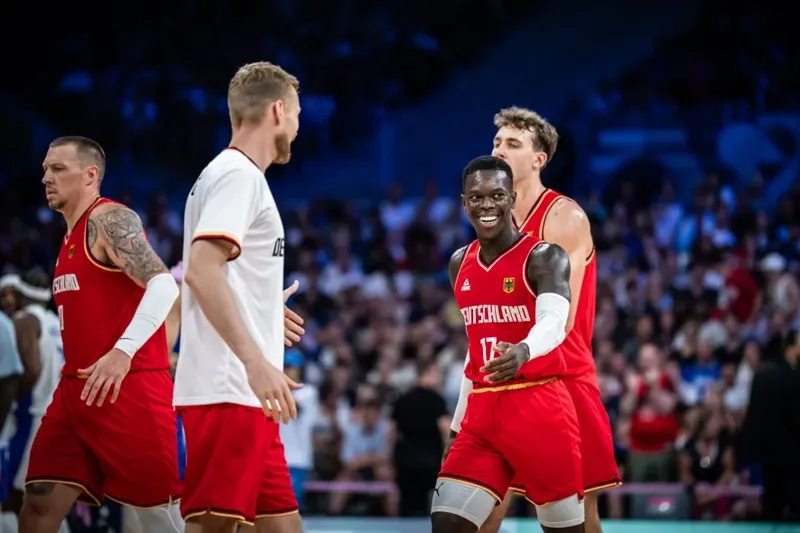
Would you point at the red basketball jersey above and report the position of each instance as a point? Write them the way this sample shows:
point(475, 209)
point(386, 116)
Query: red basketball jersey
point(577, 346)
point(95, 304)
point(499, 305)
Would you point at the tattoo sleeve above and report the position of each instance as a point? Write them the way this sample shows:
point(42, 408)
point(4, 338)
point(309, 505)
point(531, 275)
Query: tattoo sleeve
point(91, 232)
point(127, 244)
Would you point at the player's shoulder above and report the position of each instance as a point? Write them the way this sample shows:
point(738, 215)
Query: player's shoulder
point(110, 216)
point(230, 166)
point(544, 254)
point(231, 161)
point(458, 256)
point(107, 205)
point(455, 262)
point(566, 217)
point(565, 204)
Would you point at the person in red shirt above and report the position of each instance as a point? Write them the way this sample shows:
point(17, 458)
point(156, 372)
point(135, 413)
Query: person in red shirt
point(650, 405)
point(740, 294)
point(101, 437)
point(528, 142)
point(513, 292)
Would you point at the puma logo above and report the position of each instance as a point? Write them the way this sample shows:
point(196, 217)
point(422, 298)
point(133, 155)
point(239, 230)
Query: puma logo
point(436, 489)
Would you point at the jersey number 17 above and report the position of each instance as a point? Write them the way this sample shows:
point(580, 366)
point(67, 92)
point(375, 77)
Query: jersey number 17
point(487, 345)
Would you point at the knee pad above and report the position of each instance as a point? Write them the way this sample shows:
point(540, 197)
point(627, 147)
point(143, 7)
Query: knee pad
point(467, 501)
point(562, 513)
point(167, 519)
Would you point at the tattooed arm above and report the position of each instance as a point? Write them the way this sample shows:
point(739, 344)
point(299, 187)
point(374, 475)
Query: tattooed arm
point(116, 232)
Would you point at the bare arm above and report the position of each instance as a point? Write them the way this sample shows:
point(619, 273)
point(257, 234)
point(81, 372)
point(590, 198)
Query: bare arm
point(685, 468)
point(173, 323)
point(455, 264)
point(568, 226)
point(466, 385)
point(663, 400)
point(549, 269)
point(120, 235)
point(8, 392)
point(28, 331)
point(205, 277)
point(117, 232)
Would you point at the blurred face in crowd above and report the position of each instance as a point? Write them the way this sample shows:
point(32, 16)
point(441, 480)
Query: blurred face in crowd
point(518, 149)
point(752, 354)
point(66, 177)
point(705, 351)
point(294, 373)
point(8, 300)
point(371, 409)
point(488, 199)
point(649, 360)
point(729, 374)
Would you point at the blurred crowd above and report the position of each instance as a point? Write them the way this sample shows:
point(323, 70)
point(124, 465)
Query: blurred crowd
point(170, 66)
point(694, 298)
point(740, 57)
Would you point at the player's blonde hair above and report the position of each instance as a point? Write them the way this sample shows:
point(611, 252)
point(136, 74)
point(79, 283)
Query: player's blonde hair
point(254, 86)
point(544, 134)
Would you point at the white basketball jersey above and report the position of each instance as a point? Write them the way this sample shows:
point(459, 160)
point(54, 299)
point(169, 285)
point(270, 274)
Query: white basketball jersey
point(231, 201)
point(51, 353)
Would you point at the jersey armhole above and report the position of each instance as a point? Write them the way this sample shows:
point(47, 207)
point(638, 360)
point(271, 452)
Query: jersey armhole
point(461, 266)
point(553, 202)
point(525, 270)
point(86, 249)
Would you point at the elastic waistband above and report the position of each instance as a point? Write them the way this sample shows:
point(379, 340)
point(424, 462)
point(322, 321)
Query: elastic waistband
point(131, 371)
point(478, 388)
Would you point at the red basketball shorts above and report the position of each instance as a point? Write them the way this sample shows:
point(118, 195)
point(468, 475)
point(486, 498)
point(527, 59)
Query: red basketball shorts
point(235, 464)
point(127, 451)
point(597, 444)
point(531, 432)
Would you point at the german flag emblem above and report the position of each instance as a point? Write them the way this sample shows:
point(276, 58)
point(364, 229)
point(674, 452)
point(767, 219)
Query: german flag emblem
point(508, 285)
point(71, 251)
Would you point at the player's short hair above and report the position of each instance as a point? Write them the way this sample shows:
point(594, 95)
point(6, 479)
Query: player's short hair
point(490, 163)
point(89, 151)
point(253, 86)
point(545, 135)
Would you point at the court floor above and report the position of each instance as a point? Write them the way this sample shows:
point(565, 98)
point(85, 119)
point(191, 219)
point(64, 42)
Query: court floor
point(350, 525)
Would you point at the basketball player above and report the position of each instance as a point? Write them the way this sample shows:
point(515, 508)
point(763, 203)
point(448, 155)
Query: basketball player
point(527, 142)
point(99, 436)
point(41, 352)
point(230, 368)
point(513, 290)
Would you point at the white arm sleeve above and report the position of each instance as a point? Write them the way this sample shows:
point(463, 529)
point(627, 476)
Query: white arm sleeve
point(552, 312)
point(463, 397)
point(161, 293)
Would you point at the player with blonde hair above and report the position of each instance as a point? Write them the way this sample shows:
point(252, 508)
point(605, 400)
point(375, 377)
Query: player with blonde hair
point(230, 368)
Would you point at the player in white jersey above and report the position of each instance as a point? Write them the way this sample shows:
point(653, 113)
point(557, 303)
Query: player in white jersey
point(232, 320)
point(41, 351)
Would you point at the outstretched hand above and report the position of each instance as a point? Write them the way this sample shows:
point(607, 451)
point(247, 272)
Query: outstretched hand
point(507, 364)
point(292, 322)
point(107, 372)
